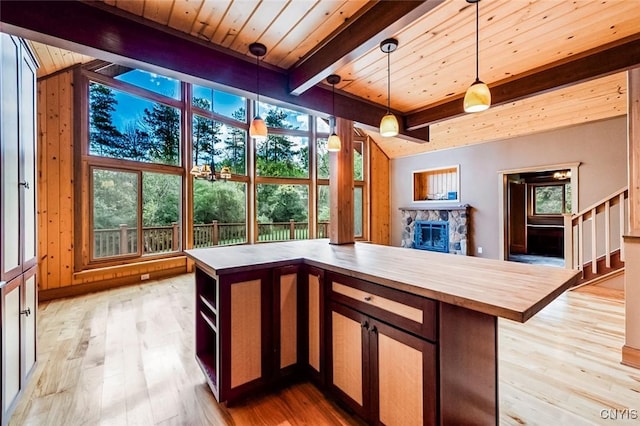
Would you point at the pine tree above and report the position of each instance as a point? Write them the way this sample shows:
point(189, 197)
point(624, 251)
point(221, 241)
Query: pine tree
point(104, 137)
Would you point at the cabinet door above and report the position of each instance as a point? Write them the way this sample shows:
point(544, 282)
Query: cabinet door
point(349, 357)
point(285, 316)
point(245, 333)
point(11, 342)
point(314, 304)
point(10, 159)
point(403, 377)
point(29, 310)
point(28, 163)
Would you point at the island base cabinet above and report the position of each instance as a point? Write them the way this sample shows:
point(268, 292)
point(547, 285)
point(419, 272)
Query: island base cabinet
point(387, 376)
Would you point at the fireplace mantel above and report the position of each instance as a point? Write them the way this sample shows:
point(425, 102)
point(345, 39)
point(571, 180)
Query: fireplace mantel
point(456, 215)
point(442, 207)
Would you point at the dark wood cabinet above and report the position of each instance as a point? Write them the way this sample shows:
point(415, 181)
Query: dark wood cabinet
point(233, 331)
point(312, 317)
point(387, 375)
point(248, 331)
point(393, 357)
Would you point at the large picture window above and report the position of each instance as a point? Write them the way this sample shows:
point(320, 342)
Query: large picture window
point(151, 141)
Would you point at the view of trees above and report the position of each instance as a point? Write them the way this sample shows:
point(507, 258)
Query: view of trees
point(552, 199)
point(128, 127)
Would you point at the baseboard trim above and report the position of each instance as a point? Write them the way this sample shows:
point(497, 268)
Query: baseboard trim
point(630, 356)
point(80, 289)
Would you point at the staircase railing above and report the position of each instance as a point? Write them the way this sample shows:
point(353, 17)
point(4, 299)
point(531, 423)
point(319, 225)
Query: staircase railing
point(590, 233)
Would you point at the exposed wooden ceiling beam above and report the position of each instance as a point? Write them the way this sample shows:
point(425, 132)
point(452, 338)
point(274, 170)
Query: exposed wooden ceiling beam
point(381, 21)
point(602, 61)
point(94, 31)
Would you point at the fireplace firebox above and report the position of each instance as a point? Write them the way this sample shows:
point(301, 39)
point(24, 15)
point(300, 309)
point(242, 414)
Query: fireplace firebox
point(431, 235)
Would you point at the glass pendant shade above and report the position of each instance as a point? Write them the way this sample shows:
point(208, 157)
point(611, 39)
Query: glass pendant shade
point(477, 98)
point(225, 173)
point(389, 126)
point(258, 129)
point(334, 143)
point(195, 170)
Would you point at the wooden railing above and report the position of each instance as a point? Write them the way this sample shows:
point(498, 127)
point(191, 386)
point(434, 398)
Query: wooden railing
point(591, 230)
point(160, 239)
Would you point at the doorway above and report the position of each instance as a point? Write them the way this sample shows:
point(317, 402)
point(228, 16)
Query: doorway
point(534, 202)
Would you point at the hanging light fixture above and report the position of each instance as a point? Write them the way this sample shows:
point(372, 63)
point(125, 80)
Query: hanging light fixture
point(389, 124)
point(258, 128)
point(478, 96)
point(334, 143)
point(225, 173)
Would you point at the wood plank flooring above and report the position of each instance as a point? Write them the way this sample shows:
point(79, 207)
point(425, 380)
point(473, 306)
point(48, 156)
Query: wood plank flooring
point(125, 357)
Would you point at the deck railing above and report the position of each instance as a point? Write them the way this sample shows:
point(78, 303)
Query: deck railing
point(162, 239)
point(591, 232)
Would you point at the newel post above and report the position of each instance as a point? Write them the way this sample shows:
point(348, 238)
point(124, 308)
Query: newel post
point(631, 348)
point(568, 241)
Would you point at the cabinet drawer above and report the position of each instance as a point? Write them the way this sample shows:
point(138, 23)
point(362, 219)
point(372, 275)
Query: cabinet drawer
point(405, 311)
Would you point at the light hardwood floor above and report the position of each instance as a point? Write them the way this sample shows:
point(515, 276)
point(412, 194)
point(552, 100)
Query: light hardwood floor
point(125, 357)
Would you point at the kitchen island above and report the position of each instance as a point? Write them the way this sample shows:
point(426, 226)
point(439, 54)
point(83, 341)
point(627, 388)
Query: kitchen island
point(400, 336)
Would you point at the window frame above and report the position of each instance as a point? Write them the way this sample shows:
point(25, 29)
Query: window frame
point(83, 192)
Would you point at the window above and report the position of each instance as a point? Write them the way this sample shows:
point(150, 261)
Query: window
point(283, 212)
point(219, 213)
point(134, 159)
point(117, 205)
point(221, 103)
point(551, 199)
point(129, 127)
point(359, 190)
point(115, 213)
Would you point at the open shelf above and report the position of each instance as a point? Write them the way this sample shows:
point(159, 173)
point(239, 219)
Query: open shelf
point(437, 185)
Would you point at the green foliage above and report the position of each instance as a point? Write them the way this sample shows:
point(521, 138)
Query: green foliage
point(550, 199)
point(115, 199)
point(162, 123)
point(103, 135)
point(221, 201)
point(286, 203)
point(160, 199)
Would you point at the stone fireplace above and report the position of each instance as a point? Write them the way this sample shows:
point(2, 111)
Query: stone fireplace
point(418, 225)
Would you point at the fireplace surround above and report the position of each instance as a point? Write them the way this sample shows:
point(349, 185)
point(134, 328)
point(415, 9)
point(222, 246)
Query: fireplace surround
point(457, 223)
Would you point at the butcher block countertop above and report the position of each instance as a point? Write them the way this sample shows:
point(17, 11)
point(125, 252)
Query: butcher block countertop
point(510, 290)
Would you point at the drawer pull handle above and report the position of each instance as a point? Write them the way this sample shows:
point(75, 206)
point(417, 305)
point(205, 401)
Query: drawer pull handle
point(367, 298)
point(26, 312)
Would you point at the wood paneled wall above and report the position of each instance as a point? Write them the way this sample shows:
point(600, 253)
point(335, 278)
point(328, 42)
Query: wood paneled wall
point(55, 180)
point(379, 195)
point(55, 204)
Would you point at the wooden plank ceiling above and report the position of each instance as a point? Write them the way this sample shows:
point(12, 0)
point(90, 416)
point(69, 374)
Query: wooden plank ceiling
point(435, 60)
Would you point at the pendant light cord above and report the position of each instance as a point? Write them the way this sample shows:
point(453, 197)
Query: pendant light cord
point(477, 40)
point(388, 82)
point(258, 85)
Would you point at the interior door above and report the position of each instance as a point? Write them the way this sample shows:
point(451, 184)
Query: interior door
point(517, 218)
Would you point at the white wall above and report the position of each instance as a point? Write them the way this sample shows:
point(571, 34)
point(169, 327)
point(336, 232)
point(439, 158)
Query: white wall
point(600, 147)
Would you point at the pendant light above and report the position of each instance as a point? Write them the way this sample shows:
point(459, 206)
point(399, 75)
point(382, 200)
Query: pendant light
point(334, 143)
point(389, 124)
point(478, 96)
point(258, 128)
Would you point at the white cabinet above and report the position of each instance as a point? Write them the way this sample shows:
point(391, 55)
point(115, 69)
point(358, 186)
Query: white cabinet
point(18, 243)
